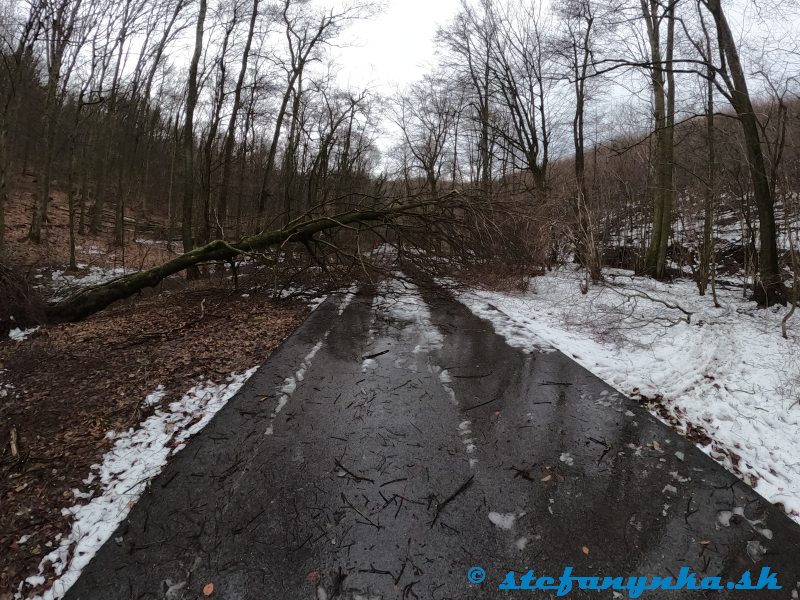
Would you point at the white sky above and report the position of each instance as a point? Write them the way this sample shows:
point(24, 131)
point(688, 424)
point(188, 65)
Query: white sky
point(394, 48)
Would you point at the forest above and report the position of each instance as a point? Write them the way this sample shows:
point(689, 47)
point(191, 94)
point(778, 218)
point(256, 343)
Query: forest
point(220, 122)
point(181, 179)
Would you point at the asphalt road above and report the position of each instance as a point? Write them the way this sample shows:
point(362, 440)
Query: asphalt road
point(403, 457)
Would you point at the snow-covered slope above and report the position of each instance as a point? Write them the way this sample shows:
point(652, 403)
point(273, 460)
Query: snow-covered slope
point(725, 372)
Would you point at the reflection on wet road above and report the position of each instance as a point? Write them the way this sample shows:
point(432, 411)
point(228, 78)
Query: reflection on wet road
point(388, 447)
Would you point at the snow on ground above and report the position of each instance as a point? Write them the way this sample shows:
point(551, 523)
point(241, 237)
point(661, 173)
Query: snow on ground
point(290, 383)
point(403, 301)
point(138, 455)
point(20, 335)
point(94, 276)
point(503, 521)
point(348, 299)
point(63, 283)
point(312, 300)
point(726, 370)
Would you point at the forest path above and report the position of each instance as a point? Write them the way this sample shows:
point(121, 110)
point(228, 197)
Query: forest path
point(392, 444)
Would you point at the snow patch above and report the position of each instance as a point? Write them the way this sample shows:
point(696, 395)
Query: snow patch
point(155, 397)
point(348, 298)
point(64, 283)
point(138, 455)
point(503, 520)
point(403, 302)
point(20, 335)
point(290, 383)
point(465, 426)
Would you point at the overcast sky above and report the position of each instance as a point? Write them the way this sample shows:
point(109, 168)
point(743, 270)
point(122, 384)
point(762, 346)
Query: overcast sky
point(395, 47)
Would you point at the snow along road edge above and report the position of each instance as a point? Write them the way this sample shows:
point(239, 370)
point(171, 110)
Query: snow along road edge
point(139, 454)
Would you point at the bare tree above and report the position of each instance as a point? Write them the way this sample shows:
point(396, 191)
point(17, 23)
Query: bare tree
point(470, 38)
point(732, 83)
point(306, 32)
point(230, 136)
point(522, 73)
point(188, 133)
point(60, 19)
point(662, 78)
point(16, 52)
point(579, 24)
point(425, 115)
point(707, 274)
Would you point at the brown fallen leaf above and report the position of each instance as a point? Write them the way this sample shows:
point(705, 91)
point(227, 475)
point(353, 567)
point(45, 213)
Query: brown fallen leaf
point(313, 577)
point(208, 589)
point(585, 550)
point(705, 542)
point(548, 478)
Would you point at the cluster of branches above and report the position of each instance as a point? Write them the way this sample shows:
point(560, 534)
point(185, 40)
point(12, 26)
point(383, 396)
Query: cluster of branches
point(434, 236)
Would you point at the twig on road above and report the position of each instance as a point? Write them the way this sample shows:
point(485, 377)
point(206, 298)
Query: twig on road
point(481, 404)
point(353, 475)
point(441, 505)
point(369, 521)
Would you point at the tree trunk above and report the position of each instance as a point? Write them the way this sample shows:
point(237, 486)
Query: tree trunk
point(273, 148)
point(290, 158)
point(663, 83)
point(227, 153)
point(586, 246)
point(84, 186)
point(50, 116)
point(707, 249)
point(769, 289)
point(188, 138)
point(3, 176)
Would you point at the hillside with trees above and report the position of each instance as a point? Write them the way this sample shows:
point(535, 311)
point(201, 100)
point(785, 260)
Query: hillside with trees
point(220, 122)
point(182, 181)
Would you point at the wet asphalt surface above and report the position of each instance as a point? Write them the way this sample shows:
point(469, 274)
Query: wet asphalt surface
point(379, 479)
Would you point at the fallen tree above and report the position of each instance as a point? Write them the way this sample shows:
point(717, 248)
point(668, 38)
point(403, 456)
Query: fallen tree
point(93, 299)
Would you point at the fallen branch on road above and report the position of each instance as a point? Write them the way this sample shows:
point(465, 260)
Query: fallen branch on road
point(96, 298)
